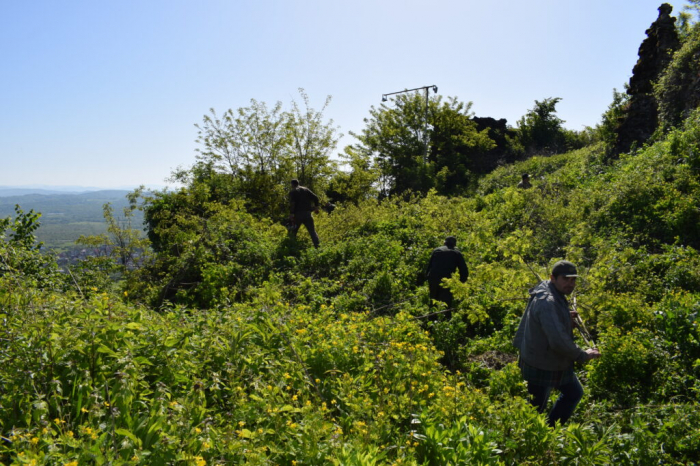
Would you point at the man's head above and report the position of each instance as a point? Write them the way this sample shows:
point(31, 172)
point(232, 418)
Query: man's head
point(526, 176)
point(295, 183)
point(451, 242)
point(563, 277)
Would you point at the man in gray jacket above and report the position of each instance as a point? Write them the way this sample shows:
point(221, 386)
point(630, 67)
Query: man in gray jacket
point(546, 342)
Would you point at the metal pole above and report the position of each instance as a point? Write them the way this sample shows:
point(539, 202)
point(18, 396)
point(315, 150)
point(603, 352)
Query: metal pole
point(425, 122)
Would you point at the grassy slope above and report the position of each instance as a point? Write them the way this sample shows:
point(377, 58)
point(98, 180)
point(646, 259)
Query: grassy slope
point(327, 361)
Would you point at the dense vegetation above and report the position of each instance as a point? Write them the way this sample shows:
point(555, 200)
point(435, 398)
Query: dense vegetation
point(233, 342)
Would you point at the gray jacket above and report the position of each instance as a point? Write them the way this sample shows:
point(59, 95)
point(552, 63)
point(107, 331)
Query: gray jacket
point(545, 335)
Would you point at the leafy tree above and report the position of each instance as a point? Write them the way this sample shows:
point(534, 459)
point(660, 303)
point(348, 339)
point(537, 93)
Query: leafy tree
point(358, 183)
point(607, 130)
point(311, 142)
point(395, 136)
point(21, 261)
point(126, 245)
point(540, 130)
point(260, 149)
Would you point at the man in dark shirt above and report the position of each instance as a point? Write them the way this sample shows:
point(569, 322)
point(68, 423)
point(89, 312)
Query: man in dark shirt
point(302, 202)
point(444, 261)
point(525, 182)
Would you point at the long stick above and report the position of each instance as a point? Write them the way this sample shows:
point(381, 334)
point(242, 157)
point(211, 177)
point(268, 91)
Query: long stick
point(581, 326)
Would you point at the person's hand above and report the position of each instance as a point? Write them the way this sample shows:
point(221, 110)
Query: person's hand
point(574, 317)
point(593, 353)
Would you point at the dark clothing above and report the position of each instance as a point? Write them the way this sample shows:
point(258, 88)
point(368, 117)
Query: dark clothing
point(525, 184)
point(306, 219)
point(302, 202)
point(443, 263)
point(547, 352)
point(571, 394)
point(553, 379)
point(302, 199)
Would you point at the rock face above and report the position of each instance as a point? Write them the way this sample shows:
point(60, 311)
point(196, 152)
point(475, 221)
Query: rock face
point(641, 116)
point(499, 132)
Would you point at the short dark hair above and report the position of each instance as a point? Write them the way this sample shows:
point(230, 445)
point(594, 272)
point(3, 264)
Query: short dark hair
point(451, 240)
point(295, 182)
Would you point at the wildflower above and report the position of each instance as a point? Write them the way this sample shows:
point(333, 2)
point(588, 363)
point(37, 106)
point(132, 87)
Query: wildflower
point(241, 423)
point(198, 430)
point(199, 461)
point(83, 410)
point(72, 463)
point(35, 440)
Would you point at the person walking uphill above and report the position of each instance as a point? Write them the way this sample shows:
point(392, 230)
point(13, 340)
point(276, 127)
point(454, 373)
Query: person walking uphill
point(545, 339)
point(444, 261)
point(302, 202)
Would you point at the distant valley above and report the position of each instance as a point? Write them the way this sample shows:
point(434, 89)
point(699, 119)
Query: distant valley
point(65, 216)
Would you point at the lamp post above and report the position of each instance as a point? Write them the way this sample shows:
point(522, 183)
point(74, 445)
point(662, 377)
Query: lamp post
point(385, 97)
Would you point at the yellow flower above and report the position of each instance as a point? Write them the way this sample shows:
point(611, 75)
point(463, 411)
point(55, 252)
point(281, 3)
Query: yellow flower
point(199, 461)
point(72, 463)
point(83, 410)
point(35, 440)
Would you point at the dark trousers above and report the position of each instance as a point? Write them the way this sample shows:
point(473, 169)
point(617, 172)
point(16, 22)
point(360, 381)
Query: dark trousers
point(306, 219)
point(439, 293)
point(563, 408)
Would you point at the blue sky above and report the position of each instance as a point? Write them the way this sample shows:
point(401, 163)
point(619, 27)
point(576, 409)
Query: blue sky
point(106, 94)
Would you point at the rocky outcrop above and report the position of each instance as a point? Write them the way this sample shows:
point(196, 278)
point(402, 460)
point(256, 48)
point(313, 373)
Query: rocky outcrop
point(640, 118)
point(499, 132)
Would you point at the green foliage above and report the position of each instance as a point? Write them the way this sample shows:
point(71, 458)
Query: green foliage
point(676, 91)
point(419, 144)
point(540, 130)
point(21, 260)
point(252, 153)
point(237, 344)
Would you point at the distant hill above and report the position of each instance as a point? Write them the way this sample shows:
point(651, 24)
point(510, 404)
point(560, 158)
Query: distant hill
point(67, 216)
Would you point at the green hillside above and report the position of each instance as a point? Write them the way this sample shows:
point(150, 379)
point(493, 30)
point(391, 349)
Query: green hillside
point(232, 342)
point(66, 217)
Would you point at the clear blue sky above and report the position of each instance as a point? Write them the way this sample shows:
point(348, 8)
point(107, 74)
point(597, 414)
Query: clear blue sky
point(106, 93)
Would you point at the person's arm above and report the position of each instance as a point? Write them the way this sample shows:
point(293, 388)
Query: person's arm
point(314, 198)
point(430, 265)
point(292, 202)
point(463, 270)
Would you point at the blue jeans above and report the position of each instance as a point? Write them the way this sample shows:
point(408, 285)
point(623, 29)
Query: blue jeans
point(563, 408)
